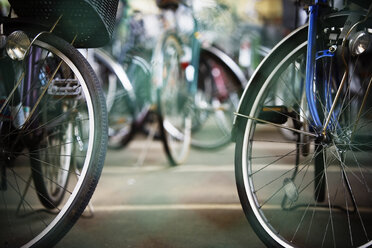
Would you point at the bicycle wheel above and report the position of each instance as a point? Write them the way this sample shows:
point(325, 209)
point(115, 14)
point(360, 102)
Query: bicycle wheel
point(139, 73)
point(217, 97)
point(173, 100)
point(53, 130)
point(120, 99)
point(317, 193)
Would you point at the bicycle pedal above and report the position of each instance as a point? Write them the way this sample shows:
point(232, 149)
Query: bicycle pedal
point(64, 88)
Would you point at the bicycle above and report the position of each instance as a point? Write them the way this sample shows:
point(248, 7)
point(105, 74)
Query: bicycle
point(195, 105)
point(53, 120)
point(130, 99)
point(313, 190)
point(127, 95)
point(126, 80)
point(129, 91)
point(220, 84)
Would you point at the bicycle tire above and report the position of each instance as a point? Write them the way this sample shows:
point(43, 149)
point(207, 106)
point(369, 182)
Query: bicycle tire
point(173, 99)
point(281, 201)
point(77, 100)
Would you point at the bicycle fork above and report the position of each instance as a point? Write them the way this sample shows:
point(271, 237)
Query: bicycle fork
point(313, 55)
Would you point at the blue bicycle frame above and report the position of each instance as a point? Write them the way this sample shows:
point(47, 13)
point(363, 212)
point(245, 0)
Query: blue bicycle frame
point(312, 56)
point(310, 63)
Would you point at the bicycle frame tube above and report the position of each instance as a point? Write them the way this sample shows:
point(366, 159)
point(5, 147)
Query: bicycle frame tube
point(310, 63)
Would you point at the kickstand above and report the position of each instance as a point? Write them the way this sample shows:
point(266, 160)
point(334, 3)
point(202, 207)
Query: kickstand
point(89, 210)
point(146, 147)
point(28, 183)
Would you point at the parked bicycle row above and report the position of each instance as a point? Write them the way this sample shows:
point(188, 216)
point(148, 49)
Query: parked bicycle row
point(58, 113)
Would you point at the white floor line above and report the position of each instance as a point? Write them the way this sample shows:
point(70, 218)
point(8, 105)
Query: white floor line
point(191, 206)
point(205, 206)
point(180, 169)
point(209, 168)
point(166, 207)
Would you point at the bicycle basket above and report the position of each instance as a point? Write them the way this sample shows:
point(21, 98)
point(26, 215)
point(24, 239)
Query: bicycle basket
point(92, 21)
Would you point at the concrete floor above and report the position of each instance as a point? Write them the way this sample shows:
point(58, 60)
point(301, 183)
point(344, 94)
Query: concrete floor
point(155, 205)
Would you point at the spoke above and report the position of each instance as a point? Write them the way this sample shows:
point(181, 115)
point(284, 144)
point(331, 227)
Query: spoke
point(363, 180)
point(365, 123)
point(44, 109)
point(43, 92)
point(347, 208)
point(273, 162)
point(273, 97)
point(46, 106)
point(301, 221)
point(298, 105)
point(303, 178)
point(275, 179)
point(274, 194)
point(54, 121)
point(350, 170)
point(349, 188)
point(18, 192)
point(311, 222)
point(280, 141)
point(56, 154)
point(345, 107)
point(7, 210)
point(334, 102)
point(362, 105)
point(53, 146)
point(304, 164)
point(12, 92)
point(329, 201)
point(17, 188)
point(276, 125)
point(52, 165)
